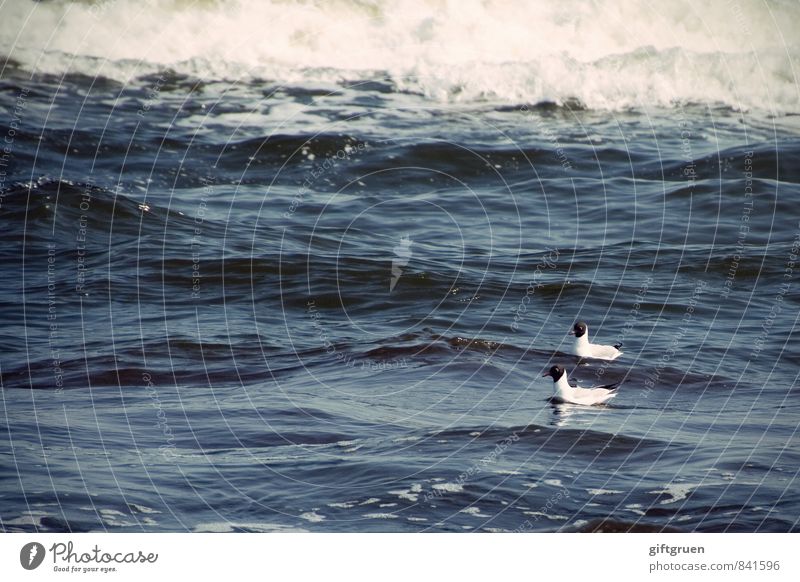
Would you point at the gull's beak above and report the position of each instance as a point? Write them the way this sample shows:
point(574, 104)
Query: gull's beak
point(545, 375)
point(572, 332)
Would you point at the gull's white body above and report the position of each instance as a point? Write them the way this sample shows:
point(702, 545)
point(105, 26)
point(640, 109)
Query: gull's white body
point(581, 347)
point(578, 395)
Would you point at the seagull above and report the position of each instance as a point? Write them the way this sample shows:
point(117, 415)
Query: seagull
point(584, 349)
point(578, 395)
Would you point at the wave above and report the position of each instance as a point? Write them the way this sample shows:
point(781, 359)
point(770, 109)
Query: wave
point(602, 55)
point(48, 209)
point(575, 441)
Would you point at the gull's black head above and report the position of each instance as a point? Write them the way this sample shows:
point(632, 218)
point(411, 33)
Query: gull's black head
point(579, 329)
point(555, 373)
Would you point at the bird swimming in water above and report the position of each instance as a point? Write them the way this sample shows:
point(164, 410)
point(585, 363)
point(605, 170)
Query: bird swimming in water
point(581, 346)
point(576, 394)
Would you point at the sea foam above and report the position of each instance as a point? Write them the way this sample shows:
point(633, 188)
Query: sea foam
point(611, 54)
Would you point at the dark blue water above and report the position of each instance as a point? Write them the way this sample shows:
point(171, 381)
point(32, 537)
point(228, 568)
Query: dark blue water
point(263, 306)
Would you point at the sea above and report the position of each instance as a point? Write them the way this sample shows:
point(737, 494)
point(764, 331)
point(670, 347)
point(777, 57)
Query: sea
point(300, 265)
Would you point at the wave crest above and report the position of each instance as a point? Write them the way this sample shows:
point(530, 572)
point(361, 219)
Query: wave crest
point(606, 55)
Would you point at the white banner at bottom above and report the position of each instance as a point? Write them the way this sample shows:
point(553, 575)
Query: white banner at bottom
point(353, 557)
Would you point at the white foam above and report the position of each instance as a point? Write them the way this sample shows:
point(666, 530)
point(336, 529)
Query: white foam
point(380, 515)
point(408, 439)
point(554, 517)
point(609, 54)
point(411, 494)
point(635, 508)
point(27, 518)
point(765, 509)
point(602, 492)
point(676, 491)
point(115, 518)
point(448, 487)
point(142, 508)
point(215, 527)
point(343, 504)
point(312, 516)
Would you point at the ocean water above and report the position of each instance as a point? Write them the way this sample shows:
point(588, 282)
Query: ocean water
point(276, 266)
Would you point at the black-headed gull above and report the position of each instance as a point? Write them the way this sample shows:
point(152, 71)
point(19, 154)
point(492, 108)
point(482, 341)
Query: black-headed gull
point(576, 394)
point(581, 347)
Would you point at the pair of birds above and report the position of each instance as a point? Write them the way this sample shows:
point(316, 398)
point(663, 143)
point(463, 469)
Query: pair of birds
point(585, 349)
